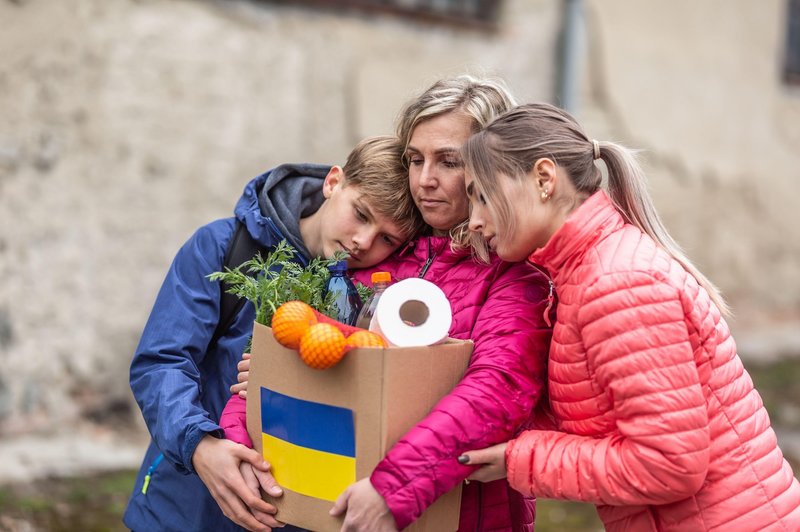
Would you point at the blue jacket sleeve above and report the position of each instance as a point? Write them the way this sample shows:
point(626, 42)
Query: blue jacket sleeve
point(165, 372)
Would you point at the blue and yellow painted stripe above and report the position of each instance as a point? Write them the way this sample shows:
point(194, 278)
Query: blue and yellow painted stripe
point(311, 446)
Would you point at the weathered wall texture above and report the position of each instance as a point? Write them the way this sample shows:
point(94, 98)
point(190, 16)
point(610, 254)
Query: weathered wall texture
point(126, 124)
point(698, 87)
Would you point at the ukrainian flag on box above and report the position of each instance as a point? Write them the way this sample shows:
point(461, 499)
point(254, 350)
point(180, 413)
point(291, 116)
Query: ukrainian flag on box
point(311, 446)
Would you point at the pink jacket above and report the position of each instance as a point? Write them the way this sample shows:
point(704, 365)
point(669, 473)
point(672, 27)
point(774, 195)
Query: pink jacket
point(496, 396)
point(660, 424)
point(233, 421)
point(492, 306)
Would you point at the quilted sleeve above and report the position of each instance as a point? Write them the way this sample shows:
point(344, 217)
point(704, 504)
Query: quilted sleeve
point(503, 382)
point(634, 334)
point(234, 421)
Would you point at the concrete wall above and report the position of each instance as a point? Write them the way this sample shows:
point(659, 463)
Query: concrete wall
point(698, 87)
point(126, 124)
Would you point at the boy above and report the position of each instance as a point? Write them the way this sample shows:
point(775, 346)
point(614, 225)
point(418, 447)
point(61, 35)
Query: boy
point(181, 381)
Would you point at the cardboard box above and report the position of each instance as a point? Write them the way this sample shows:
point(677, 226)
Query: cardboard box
point(324, 429)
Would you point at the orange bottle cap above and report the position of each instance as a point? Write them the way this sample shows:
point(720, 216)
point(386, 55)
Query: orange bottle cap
point(381, 277)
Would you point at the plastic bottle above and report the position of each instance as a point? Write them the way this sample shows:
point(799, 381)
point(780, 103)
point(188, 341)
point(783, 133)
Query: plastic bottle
point(347, 301)
point(380, 280)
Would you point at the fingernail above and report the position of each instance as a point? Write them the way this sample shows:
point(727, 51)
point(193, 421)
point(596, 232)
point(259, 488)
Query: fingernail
point(275, 490)
point(463, 459)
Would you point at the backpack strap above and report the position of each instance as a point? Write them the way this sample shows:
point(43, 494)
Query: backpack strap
point(241, 248)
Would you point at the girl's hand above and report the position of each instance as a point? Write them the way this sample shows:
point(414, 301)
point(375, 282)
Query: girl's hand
point(491, 462)
point(366, 509)
point(244, 374)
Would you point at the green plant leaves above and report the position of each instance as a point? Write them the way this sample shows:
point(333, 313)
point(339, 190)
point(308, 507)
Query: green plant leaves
point(268, 282)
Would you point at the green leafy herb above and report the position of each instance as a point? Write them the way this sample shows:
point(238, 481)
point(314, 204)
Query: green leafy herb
point(268, 282)
point(364, 291)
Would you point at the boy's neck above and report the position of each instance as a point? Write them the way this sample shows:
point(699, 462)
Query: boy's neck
point(310, 232)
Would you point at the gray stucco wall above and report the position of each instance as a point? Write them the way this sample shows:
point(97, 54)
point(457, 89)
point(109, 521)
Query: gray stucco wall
point(126, 124)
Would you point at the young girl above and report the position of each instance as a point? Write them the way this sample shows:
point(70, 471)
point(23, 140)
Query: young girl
point(660, 425)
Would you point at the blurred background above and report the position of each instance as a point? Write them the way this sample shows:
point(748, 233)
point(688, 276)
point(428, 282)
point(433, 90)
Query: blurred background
point(126, 124)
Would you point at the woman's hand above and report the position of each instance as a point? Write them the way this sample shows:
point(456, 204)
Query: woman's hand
point(491, 462)
point(366, 509)
point(217, 464)
point(244, 374)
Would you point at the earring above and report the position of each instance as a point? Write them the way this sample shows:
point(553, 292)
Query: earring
point(545, 195)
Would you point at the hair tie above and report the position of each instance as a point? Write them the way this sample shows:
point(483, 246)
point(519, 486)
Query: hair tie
point(596, 148)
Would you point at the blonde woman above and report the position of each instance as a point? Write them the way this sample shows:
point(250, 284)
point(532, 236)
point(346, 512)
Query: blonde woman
point(505, 308)
point(505, 377)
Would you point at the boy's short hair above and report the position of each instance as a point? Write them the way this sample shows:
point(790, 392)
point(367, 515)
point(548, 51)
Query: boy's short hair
point(375, 166)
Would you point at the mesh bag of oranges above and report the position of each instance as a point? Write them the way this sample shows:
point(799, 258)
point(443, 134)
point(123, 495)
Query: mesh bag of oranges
point(320, 341)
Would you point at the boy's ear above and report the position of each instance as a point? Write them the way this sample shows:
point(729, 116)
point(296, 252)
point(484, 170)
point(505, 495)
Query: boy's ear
point(334, 178)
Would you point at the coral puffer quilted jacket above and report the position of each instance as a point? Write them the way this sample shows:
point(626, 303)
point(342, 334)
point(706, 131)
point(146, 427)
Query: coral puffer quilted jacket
point(660, 424)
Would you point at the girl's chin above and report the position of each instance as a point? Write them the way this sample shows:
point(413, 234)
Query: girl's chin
point(510, 256)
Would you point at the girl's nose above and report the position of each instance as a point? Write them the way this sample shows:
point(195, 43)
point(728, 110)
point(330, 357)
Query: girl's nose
point(475, 222)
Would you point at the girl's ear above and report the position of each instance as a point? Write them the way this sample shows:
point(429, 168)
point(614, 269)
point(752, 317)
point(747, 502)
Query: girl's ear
point(545, 176)
point(334, 178)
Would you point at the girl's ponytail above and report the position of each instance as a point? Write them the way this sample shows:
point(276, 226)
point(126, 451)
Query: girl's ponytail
point(512, 143)
point(627, 188)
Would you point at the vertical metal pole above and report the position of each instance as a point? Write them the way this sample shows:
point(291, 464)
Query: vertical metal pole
point(572, 43)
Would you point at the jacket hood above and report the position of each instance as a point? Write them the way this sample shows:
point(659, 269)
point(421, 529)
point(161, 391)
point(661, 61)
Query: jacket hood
point(273, 203)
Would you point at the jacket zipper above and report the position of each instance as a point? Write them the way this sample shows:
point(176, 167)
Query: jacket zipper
point(428, 262)
point(150, 471)
point(550, 300)
point(550, 296)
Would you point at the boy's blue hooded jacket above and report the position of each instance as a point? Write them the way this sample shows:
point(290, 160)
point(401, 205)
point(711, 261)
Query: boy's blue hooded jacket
point(180, 382)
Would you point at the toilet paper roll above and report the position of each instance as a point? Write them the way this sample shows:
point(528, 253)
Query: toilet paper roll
point(413, 312)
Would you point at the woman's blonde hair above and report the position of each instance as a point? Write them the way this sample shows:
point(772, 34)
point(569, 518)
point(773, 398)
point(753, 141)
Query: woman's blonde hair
point(511, 145)
point(482, 100)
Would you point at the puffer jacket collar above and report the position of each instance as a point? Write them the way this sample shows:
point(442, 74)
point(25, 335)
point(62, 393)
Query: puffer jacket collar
point(437, 247)
point(440, 247)
point(583, 228)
